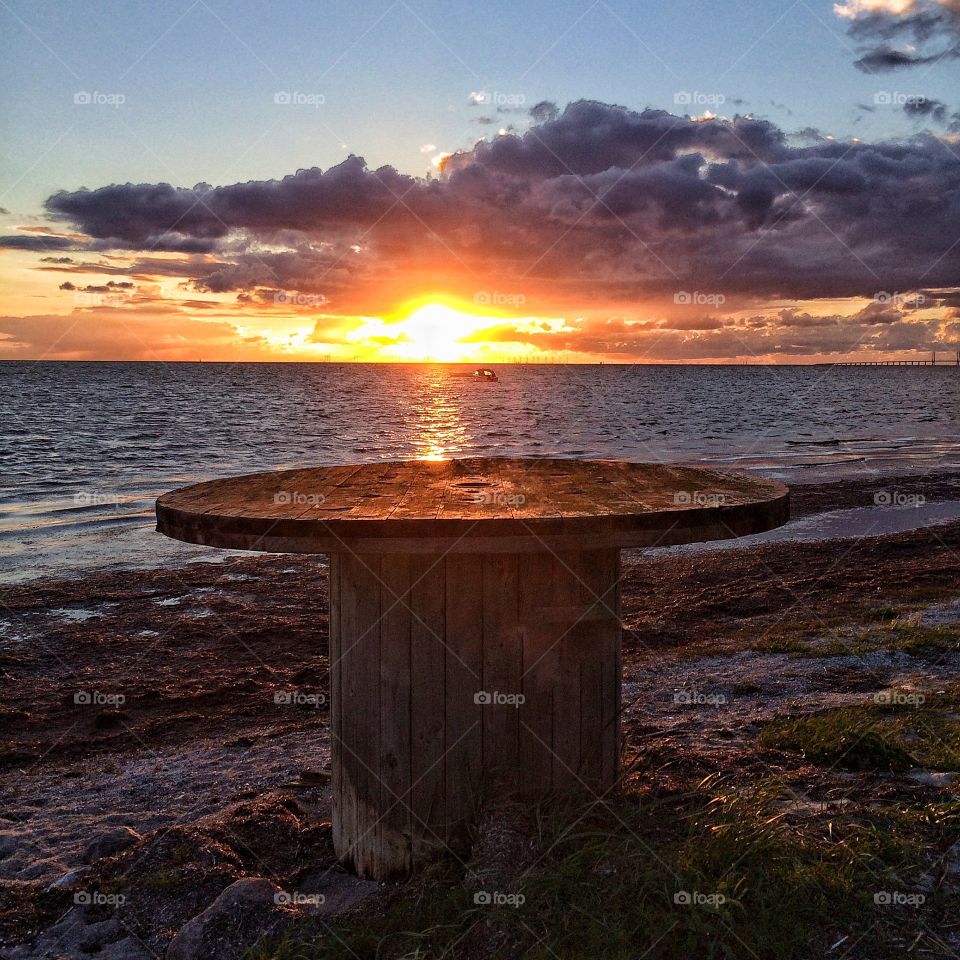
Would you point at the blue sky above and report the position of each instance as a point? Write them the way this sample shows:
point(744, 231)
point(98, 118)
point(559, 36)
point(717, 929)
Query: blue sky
point(198, 78)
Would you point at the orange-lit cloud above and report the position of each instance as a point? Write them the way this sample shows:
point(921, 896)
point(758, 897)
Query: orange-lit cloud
point(600, 233)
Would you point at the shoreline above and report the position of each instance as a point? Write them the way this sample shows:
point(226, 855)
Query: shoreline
point(187, 704)
point(808, 498)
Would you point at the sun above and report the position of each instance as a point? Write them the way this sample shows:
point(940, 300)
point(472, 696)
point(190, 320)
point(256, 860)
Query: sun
point(436, 331)
point(428, 330)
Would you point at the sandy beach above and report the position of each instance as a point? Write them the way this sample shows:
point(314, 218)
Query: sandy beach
point(166, 740)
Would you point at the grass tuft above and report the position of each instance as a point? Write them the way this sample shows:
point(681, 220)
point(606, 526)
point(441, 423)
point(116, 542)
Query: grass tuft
point(710, 873)
point(895, 735)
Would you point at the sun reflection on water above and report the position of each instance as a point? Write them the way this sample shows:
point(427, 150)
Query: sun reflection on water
point(436, 417)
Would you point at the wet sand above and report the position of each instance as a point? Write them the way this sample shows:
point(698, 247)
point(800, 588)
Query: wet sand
point(189, 704)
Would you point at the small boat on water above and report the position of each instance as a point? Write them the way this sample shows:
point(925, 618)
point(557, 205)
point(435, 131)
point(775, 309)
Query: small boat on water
point(481, 374)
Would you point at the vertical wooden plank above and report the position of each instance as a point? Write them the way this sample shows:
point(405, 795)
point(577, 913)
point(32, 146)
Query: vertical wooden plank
point(604, 680)
point(360, 707)
point(612, 681)
point(344, 767)
point(394, 767)
point(502, 656)
point(590, 765)
point(540, 672)
point(566, 593)
point(592, 638)
point(340, 842)
point(463, 727)
point(427, 699)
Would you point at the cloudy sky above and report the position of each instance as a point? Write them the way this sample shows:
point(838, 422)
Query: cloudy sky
point(631, 182)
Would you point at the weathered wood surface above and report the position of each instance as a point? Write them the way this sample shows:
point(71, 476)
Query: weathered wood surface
point(487, 505)
point(459, 678)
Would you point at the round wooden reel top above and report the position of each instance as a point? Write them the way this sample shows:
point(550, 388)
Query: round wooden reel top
point(477, 505)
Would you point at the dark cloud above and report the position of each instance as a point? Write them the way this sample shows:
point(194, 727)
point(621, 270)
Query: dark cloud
point(794, 317)
point(35, 242)
point(139, 267)
point(809, 133)
point(111, 286)
point(163, 217)
point(885, 58)
point(543, 111)
point(599, 202)
point(918, 107)
point(146, 267)
point(895, 37)
point(879, 313)
point(942, 298)
point(694, 323)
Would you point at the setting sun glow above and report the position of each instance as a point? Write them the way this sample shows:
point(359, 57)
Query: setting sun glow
point(428, 331)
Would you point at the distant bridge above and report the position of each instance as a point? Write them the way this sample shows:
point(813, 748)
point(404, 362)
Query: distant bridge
point(932, 361)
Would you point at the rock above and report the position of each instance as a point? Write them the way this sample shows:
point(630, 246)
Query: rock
point(932, 778)
point(110, 719)
point(312, 775)
point(245, 910)
point(76, 937)
point(338, 891)
point(126, 949)
point(9, 841)
point(92, 937)
point(70, 879)
point(110, 843)
point(42, 870)
point(951, 861)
